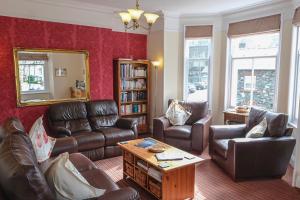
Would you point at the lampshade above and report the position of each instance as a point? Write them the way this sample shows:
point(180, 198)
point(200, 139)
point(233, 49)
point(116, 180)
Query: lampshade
point(151, 18)
point(126, 17)
point(155, 63)
point(135, 13)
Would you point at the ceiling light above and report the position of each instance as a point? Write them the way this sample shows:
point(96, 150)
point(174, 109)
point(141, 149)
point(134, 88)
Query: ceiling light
point(134, 15)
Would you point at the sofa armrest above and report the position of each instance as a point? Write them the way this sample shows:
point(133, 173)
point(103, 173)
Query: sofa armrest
point(256, 157)
point(59, 132)
point(66, 144)
point(227, 131)
point(200, 133)
point(121, 194)
point(159, 125)
point(128, 123)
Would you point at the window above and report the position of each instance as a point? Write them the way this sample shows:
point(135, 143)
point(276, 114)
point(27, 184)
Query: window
point(32, 76)
point(197, 62)
point(295, 84)
point(253, 73)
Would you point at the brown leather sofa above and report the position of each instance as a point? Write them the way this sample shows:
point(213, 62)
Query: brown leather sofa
point(244, 158)
point(191, 136)
point(95, 125)
point(22, 179)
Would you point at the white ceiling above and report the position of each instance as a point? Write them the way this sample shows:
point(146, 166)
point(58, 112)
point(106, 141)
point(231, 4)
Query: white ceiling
point(182, 7)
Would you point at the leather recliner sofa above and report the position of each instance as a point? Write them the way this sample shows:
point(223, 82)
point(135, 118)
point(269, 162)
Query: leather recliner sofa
point(21, 177)
point(95, 125)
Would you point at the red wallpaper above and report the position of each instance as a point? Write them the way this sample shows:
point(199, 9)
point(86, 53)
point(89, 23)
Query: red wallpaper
point(102, 44)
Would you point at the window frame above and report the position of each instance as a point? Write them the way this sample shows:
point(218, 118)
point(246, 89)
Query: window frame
point(295, 69)
point(230, 59)
point(46, 81)
point(185, 70)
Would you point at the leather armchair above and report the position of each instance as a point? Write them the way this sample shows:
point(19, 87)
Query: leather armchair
point(191, 136)
point(243, 157)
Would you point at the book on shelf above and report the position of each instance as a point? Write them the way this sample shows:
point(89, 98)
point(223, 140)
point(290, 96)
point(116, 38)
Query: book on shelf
point(155, 174)
point(133, 96)
point(133, 84)
point(129, 71)
point(133, 108)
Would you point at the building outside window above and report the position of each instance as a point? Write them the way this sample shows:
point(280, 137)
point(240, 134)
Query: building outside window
point(197, 62)
point(253, 70)
point(32, 76)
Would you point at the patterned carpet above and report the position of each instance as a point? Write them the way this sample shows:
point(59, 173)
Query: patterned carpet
point(213, 184)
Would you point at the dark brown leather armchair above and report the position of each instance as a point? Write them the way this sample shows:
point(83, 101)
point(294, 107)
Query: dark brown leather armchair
point(242, 157)
point(191, 136)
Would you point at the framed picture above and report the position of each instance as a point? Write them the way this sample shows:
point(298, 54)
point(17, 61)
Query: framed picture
point(61, 72)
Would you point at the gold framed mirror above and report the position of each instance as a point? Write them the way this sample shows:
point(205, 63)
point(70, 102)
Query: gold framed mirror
point(47, 76)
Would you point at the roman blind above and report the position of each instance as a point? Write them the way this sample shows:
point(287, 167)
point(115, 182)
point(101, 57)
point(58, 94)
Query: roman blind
point(259, 25)
point(296, 19)
point(30, 56)
point(198, 31)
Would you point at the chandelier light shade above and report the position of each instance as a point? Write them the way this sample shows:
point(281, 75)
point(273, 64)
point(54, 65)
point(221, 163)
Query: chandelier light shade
point(134, 15)
point(151, 18)
point(126, 17)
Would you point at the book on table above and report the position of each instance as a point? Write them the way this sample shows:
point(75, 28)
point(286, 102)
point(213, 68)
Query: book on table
point(165, 156)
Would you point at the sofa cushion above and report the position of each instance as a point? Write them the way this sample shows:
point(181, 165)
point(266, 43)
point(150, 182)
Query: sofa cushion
point(89, 140)
point(102, 113)
point(256, 115)
point(114, 135)
point(221, 147)
point(20, 176)
point(183, 132)
point(71, 115)
point(277, 124)
point(197, 109)
point(81, 162)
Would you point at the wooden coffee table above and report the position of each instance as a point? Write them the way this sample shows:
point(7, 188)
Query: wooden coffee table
point(177, 180)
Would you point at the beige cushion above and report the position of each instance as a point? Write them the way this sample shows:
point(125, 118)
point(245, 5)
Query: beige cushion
point(177, 114)
point(42, 143)
point(66, 181)
point(258, 130)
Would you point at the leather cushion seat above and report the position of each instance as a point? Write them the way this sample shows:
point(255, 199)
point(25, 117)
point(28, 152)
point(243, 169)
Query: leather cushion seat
point(114, 135)
point(221, 147)
point(183, 132)
point(89, 140)
point(102, 113)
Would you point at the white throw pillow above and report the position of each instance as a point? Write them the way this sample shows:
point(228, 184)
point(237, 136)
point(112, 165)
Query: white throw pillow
point(258, 130)
point(177, 114)
point(42, 143)
point(67, 182)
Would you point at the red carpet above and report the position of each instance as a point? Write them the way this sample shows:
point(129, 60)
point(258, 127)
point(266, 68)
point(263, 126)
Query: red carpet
point(213, 184)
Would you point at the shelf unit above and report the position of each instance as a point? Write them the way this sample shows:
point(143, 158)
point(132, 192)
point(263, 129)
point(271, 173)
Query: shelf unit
point(140, 175)
point(132, 90)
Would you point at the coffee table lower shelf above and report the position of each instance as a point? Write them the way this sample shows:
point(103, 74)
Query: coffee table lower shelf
point(175, 184)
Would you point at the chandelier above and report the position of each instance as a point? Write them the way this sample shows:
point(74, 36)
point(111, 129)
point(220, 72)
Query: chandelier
point(134, 16)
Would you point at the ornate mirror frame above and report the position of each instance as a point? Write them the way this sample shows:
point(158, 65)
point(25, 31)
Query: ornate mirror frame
point(50, 101)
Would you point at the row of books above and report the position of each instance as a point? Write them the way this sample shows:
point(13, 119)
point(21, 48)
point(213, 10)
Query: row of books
point(142, 121)
point(133, 84)
point(133, 96)
point(133, 108)
point(128, 71)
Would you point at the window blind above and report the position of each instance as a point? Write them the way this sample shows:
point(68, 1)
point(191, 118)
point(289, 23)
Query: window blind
point(259, 25)
point(198, 31)
point(296, 19)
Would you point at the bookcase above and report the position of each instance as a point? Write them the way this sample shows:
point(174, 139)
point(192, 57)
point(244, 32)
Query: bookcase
point(132, 90)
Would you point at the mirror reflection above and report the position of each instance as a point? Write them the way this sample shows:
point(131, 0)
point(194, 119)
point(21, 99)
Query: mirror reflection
point(47, 76)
